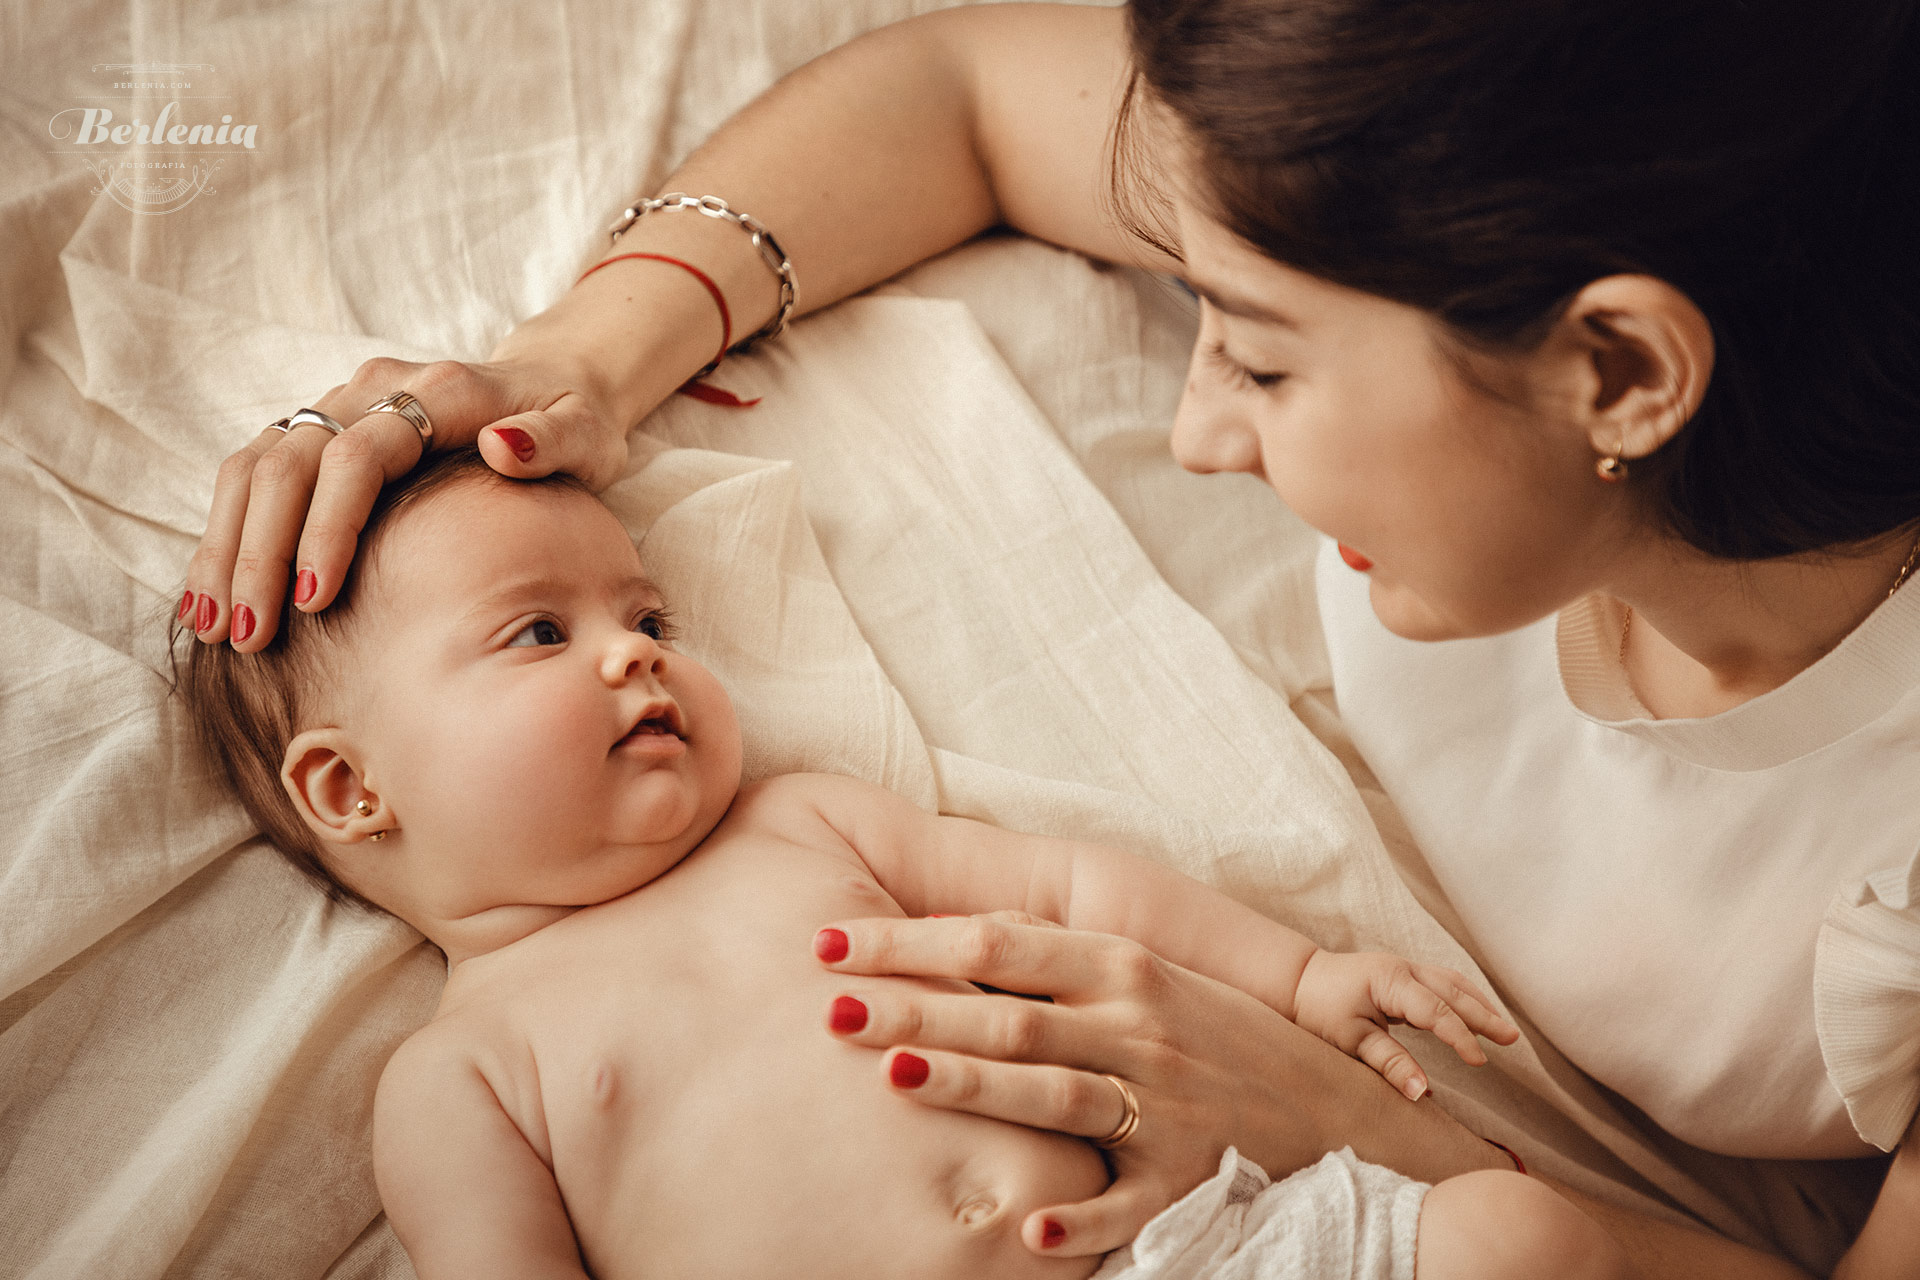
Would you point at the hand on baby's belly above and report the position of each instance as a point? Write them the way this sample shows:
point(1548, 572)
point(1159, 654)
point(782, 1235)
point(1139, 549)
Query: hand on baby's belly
point(704, 1123)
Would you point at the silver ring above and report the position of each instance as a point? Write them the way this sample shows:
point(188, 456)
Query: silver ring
point(409, 408)
point(1129, 1117)
point(306, 418)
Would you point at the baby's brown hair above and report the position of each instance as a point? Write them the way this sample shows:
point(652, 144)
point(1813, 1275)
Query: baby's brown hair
point(247, 707)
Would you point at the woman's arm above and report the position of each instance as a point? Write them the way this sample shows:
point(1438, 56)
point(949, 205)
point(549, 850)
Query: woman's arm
point(1889, 1245)
point(878, 154)
point(1211, 1066)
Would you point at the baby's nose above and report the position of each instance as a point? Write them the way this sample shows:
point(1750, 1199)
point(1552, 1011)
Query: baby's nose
point(632, 656)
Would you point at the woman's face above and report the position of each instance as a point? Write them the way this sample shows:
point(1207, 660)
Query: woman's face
point(1478, 515)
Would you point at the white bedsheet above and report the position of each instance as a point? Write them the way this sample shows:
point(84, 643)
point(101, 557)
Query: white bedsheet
point(948, 553)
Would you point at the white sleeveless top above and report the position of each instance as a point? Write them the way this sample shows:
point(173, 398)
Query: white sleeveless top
point(1717, 918)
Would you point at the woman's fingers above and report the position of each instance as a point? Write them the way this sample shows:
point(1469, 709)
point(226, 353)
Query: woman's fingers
point(210, 572)
point(1103, 1223)
point(1059, 963)
point(325, 524)
point(1039, 1096)
point(567, 435)
point(998, 1026)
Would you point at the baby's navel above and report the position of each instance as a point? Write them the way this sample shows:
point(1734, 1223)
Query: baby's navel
point(605, 1083)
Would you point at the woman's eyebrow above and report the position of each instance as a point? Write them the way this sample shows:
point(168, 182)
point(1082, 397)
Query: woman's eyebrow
point(1235, 304)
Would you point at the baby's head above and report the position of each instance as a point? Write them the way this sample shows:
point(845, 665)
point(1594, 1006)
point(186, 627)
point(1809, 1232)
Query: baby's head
point(490, 718)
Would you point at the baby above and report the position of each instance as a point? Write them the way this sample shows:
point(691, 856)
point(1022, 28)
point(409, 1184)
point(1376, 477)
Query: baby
point(492, 737)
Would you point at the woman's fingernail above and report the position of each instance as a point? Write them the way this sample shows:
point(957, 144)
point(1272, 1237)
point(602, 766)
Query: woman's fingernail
point(242, 623)
point(203, 619)
point(848, 1015)
point(830, 945)
point(1416, 1088)
point(186, 606)
point(304, 586)
point(1051, 1234)
point(907, 1070)
point(517, 440)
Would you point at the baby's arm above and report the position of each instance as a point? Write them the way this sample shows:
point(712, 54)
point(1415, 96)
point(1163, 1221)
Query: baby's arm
point(934, 864)
point(464, 1191)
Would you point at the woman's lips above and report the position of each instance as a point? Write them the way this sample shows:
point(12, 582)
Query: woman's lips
point(1354, 559)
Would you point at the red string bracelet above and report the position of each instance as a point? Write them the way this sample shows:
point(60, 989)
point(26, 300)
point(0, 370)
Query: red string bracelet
point(1519, 1165)
point(694, 386)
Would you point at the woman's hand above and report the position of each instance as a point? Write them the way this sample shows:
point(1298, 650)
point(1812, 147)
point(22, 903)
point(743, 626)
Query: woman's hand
point(1211, 1066)
point(288, 508)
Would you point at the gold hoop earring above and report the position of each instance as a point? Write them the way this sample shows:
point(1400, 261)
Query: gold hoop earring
point(378, 835)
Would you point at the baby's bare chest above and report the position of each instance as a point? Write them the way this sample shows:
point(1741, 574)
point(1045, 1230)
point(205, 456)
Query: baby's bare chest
point(689, 1014)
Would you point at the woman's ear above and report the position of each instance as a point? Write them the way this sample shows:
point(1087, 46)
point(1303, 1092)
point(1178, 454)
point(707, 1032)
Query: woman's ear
point(1647, 357)
point(325, 784)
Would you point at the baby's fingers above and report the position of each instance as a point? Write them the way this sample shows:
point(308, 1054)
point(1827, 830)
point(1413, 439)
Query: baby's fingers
point(1098, 1225)
point(1411, 1001)
point(1390, 1058)
point(1462, 997)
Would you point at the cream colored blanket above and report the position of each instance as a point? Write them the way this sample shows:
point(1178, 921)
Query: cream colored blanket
point(947, 553)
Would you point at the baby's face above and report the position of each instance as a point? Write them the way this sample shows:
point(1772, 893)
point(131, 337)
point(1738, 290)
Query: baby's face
point(520, 710)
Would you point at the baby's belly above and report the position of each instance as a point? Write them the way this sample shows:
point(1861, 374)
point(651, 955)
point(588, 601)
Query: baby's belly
point(704, 1122)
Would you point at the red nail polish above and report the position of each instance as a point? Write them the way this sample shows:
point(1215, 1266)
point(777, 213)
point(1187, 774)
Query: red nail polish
point(203, 620)
point(186, 606)
point(1354, 559)
point(242, 623)
point(830, 945)
point(304, 586)
point(848, 1015)
point(517, 440)
point(1051, 1234)
point(907, 1070)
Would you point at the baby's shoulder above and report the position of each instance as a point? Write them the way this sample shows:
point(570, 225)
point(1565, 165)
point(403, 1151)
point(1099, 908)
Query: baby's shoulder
point(806, 806)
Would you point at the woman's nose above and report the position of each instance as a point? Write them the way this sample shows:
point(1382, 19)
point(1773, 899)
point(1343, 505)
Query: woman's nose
point(1209, 436)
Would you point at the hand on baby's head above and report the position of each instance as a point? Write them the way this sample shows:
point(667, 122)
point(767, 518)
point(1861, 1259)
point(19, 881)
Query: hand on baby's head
point(495, 695)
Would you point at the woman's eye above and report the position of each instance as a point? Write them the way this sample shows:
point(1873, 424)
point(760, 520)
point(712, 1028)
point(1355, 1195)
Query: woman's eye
point(655, 623)
point(541, 632)
point(1237, 373)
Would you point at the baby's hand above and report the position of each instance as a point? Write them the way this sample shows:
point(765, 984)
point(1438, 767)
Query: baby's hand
point(1349, 999)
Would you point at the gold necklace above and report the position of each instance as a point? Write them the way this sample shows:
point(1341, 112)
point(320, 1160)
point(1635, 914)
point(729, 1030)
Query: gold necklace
point(1906, 571)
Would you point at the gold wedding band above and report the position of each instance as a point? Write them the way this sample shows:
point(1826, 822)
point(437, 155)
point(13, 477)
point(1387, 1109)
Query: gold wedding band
point(405, 406)
point(1129, 1119)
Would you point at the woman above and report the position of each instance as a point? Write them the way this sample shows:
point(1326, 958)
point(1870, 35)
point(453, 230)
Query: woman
point(1587, 330)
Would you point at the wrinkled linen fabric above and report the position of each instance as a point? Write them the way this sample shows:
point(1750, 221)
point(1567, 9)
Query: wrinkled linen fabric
point(947, 553)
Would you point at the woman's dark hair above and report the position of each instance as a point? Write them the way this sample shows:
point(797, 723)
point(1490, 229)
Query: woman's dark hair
point(247, 707)
point(1485, 159)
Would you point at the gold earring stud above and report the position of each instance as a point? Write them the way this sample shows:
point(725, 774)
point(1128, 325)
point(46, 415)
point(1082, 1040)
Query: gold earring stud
point(1610, 468)
point(364, 809)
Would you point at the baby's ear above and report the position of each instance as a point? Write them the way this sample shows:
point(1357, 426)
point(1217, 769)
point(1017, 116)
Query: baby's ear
point(325, 787)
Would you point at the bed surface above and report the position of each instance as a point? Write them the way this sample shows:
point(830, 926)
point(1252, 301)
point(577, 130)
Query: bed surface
point(948, 553)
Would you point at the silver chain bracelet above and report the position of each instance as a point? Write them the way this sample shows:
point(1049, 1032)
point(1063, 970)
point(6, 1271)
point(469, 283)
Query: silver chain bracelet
point(770, 251)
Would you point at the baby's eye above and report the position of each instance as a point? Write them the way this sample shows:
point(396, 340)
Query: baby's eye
point(539, 632)
point(655, 623)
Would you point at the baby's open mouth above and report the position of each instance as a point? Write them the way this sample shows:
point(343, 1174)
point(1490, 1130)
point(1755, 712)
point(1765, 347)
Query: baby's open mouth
point(659, 720)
